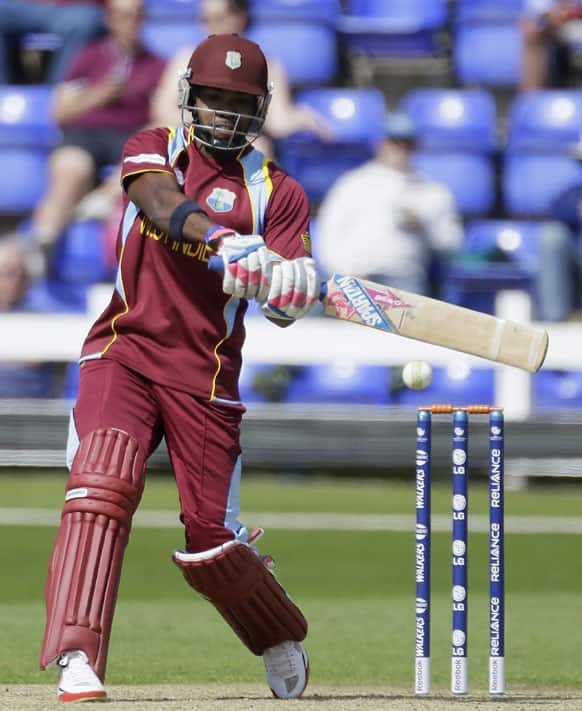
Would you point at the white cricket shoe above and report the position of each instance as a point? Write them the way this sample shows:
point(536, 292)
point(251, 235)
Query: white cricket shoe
point(287, 667)
point(78, 681)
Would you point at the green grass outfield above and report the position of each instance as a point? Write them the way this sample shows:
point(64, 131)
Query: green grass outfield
point(355, 586)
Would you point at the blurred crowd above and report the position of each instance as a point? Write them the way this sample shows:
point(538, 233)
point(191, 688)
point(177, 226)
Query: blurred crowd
point(382, 219)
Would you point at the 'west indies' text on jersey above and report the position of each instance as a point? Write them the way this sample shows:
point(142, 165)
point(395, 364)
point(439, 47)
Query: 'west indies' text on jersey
point(168, 318)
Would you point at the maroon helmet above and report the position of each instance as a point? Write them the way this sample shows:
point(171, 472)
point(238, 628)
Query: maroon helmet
point(233, 63)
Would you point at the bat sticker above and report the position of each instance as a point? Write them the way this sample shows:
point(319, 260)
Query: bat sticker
point(369, 305)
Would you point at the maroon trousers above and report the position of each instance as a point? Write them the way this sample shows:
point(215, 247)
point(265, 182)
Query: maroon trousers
point(202, 440)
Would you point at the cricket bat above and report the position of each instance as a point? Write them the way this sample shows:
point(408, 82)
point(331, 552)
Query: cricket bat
point(432, 321)
point(422, 318)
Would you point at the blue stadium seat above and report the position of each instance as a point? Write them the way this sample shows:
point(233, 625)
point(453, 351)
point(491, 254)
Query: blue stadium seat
point(41, 41)
point(80, 256)
point(317, 165)
point(488, 10)
point(532, 182)
point(469, 176)
point(545, 120)
point(356, 118)
point(566, 206)
point(496, 254)
point(557, 390)
point(353, 115)
point(307, 50)
point(340, 382)
point(56, 297)
point(25, 117)
point(22, 178)
point(71, 381)
point(380, 28)
point(27, 381)
point(174, 9)
point(166, 37)
point(325, 11)
point(538, 166)
point(517, 240)
point(462, 119)
point(458, 383)
point(457, 137)
point(487, 53)
point(246, 383)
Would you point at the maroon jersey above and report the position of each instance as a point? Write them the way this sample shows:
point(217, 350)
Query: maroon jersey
point(142, 72)
point(169, 318)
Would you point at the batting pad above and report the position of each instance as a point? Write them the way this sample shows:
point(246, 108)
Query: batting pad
point(234, 579)
point(104, 489)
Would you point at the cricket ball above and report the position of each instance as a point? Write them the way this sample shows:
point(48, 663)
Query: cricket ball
point(417, 374)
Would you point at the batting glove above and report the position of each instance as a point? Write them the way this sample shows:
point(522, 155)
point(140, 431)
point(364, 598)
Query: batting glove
point(248, 264)
point(295, 288)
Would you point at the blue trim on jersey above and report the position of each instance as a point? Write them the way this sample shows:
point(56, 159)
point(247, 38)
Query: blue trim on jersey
point(230, 311)
point(176, 144)
point(224, 401)
point(131, 212)
point(91, 356)
point(252, 164)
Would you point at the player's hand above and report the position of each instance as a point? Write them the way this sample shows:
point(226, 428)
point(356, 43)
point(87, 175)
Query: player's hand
point(295, 288)
point(248, 265)
point(108, 90)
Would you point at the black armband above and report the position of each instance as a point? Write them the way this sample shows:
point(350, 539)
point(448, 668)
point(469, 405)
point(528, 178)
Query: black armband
point(178, 218)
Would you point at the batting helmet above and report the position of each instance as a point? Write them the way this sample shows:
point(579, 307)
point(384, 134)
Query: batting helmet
point(232, 63)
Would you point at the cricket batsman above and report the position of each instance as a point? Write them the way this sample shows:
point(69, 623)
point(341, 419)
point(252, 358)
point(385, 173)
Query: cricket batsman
point(163, 360)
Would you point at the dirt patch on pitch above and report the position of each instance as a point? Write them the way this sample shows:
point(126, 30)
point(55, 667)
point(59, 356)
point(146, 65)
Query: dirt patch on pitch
point(319, 698)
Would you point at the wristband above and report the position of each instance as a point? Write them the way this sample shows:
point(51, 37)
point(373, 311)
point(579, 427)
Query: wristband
point(179, 215)
point(214, 235)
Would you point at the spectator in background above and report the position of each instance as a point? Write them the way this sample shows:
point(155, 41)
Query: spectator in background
point(19, 379)
point(284, 117)
point(545, 25)
point(385, 222)
point(75, 24)
point(104, 100)
point(13, 274)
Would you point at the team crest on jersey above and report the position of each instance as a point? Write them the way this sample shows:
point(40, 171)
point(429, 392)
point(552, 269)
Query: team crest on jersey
point(221, 200)
point(233, 60)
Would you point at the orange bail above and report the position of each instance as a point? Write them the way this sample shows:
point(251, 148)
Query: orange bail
point(446, 409)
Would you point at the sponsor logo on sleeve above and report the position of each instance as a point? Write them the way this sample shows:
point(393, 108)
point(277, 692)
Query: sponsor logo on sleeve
point(155, 158)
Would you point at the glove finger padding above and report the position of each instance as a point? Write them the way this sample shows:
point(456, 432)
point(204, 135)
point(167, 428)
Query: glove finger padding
point(242, 277)
point(247, 266)
point(295, 287)
point(267, 263)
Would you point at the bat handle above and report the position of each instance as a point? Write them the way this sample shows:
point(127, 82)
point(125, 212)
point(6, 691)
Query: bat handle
point(216, 264)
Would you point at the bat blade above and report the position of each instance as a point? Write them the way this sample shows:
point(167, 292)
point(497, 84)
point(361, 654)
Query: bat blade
point(432, 321)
